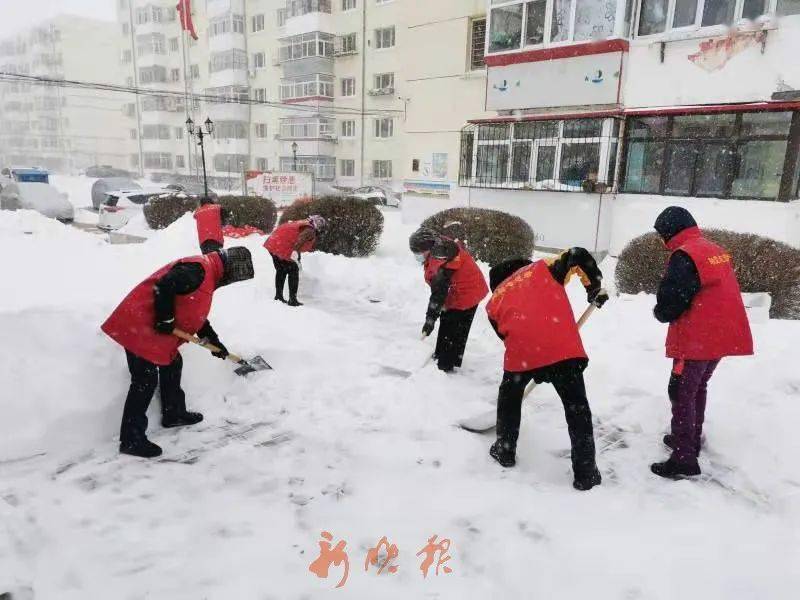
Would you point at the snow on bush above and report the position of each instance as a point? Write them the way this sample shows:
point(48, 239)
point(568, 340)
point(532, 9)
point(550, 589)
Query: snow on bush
point(354, 226)
point(762, 265)
point(490, 235)
point(251, 210)
point(163, 211)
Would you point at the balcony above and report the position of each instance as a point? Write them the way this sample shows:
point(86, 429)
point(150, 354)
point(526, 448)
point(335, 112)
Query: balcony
point(305, 16)
point(319, 87)
point(307, 129)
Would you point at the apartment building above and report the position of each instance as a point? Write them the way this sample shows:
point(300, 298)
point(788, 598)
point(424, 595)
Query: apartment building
point(61, 128)
point(605, 112)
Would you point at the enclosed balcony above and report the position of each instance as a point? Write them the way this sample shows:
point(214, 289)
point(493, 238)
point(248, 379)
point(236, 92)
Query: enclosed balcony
point(304, 16)
point(312, 87)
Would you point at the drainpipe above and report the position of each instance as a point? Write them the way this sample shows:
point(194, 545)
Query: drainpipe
point(363, 86)
point(136, 85)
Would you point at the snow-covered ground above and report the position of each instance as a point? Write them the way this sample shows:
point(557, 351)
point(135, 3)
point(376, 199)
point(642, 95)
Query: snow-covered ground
point(330, 441)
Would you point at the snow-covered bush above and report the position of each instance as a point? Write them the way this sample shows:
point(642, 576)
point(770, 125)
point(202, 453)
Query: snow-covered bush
point(490, 235)
point(163, 211)
point(251, 210)
point(762, 265)
point(354, 226)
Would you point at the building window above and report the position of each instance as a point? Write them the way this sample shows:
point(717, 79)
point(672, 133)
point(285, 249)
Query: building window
point(153, 74)
point(659, 16)
point(260, 94)
point(154, 43)
point(298, 8)
point(127, 56)
point(348, 87)
point(788, 7)
point(179, 133)
point(258, 22)
point(180, 161)
point(226, 24)
point(175, 75)
point(307, 45)
point(313, 86)
point(230, 163)
point(262, 164)
point(230, 130)
point(259, 60)
point(228, 60)
point(382, 169)
point(174, 44)
point(725, 155)
point(347, 168)
point(155, 132)
point(126, 29)
point(323, 167)
point(349, 5)
point(572, 155)
point(384, 128)
point(158, 160)
point(346, 44)
point(348, 129)
point(514, 24)
point(384, 38)
point(477, 43)
point(261, 130)
point(384, 82)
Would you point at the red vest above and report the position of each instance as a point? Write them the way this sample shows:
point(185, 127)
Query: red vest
point(533, 314)
point(716, 323)
point(131, 323)
point(282, 241)
point(468, 285)
point(209, 223)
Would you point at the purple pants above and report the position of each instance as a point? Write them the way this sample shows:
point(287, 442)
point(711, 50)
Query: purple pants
point(688, 389)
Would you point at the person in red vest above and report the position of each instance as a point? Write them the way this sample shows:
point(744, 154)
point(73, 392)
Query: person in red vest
point(700, 298)
point(457, 287)
point(177, 296)
point(531, 313)
point(286, 245)
point(210, 218)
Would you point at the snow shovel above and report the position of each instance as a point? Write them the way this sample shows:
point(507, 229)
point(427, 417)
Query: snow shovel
point(403, 373)
point(257, 363)
point(486, 421)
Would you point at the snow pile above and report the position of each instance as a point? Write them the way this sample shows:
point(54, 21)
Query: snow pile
point(333, 441)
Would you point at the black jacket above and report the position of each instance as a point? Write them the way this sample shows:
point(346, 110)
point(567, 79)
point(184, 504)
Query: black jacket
point(445, 250)
point(181, 279)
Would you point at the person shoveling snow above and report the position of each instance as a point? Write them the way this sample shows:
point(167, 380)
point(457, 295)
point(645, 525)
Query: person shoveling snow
point(531, 313)
point(176, 297)
point(286, 245)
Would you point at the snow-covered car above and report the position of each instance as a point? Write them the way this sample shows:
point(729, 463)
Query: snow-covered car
point(375, 195)
point(121, 205)
point(41, 197)
point(103, 186)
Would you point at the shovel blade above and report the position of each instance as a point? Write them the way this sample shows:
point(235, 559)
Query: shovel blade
point(257, 363)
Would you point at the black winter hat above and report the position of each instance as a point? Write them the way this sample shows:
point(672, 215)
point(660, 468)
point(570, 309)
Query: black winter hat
point(506, 269)
point(238, 264)
point(672, 221)
point(422, 240)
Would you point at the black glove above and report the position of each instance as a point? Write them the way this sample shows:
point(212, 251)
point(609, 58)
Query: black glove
point(223, 351)
point(597, 296)
point(427, 329)
point(166, 326)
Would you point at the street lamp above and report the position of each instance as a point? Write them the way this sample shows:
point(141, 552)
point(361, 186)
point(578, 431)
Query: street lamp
point(199, 133)
point(294, 154)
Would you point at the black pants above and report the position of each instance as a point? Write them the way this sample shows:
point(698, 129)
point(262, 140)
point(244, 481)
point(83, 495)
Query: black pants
point(144, 378)
point(567, 378)
point(284, 269)
point(454, 326)
point(210, 246)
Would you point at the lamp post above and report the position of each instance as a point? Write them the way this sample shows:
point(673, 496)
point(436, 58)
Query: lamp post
point(294, 154)
point(200, 134)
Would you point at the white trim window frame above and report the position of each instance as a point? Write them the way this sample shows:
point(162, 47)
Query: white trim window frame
point(385, 37)
point(618, 26)
point(384, 128)
point(670, 28)
point(348, 128)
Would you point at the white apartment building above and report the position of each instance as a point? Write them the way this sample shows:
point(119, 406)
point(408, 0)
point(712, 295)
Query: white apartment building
point(61, 128)
point(603, 112)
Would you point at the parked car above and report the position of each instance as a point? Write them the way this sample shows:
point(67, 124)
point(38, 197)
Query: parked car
point(192, 188)
point(101, 187)
point(41, 197)
point(376, 195)
point(106, 171)
point(120, 205)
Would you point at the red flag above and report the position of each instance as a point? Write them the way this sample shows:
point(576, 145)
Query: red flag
point(185, 12)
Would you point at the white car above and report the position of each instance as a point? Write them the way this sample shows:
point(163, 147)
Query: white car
point(121, 205)
point(376, 195)
point(41, 197)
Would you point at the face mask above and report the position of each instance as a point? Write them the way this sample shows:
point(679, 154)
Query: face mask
point(420, 258)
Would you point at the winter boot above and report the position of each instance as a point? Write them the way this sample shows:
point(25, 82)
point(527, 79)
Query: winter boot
point(294, 302)
point(675, 470)
point(669, 442)
point(280, 298)
point(584, 483)
point(180, 420)
point(143, 448)
point(504, 452)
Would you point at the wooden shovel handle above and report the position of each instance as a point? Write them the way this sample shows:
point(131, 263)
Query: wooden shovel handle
point(193, 339)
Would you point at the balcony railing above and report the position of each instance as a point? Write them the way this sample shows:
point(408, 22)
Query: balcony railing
point(319, 87)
